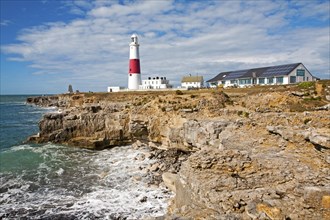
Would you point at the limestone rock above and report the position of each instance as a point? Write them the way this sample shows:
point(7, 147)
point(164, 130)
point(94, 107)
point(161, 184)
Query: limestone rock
point(154, 167)
point(271, 212)
point(316, 136)
point(234, 181)
point(138, 129)
point(320, 139)
point(325, 107)
point(262, 154)
point(170, 180)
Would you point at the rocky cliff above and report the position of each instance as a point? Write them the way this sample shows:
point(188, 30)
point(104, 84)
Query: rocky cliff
point(255, 153)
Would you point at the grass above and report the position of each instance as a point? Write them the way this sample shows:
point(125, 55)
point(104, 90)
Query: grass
point(193, 94)
point(317, 98)
point(243, 113)
point(306, 85)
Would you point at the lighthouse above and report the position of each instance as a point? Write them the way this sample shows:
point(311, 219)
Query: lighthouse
point(134, 72)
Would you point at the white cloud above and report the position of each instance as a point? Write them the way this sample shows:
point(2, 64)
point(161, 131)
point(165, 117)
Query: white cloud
point(136, 8)
point(5, 22)
point(175, 38)
point(78, 7)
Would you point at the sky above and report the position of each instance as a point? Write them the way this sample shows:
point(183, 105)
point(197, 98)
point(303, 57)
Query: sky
point(47, 45)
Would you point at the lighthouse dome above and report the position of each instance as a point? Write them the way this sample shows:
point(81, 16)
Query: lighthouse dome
point(134, 39)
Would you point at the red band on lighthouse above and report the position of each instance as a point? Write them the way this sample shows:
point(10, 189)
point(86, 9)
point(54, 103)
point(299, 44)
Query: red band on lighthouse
point(134, 66)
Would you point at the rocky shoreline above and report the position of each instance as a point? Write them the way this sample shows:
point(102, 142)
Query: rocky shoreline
point(258, 153)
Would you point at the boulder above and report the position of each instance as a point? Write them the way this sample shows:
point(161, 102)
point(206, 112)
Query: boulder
point(170, 180)
point(325, 107)
point(322, 140)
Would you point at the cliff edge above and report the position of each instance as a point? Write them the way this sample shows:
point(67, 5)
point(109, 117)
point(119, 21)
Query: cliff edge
point(255, 153)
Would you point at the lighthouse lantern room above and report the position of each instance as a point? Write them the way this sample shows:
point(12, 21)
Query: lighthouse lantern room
point(134, 73)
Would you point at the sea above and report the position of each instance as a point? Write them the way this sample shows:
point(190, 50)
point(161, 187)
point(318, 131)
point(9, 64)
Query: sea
point(51, 181)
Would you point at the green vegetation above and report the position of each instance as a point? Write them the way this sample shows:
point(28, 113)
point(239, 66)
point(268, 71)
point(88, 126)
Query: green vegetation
point(317, 98)
point(306, 85)
point(242, 113)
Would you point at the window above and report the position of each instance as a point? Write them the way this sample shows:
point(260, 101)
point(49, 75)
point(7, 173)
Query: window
point(293, 79)
point(261, 80)
point(270, 80)
point(223, 82)
point(279, 80)
point(245, 81)
point(307, 78)
point(300, 72)
point(233, 81)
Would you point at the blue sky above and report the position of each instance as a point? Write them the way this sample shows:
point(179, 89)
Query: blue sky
point(47, 45)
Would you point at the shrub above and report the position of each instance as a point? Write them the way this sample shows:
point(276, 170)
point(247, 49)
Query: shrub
point(306, 85)
point(306, 120)
point(246, 114)
point(178, 92)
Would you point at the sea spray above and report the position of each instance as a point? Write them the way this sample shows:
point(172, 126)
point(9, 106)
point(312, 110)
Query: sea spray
point(85, 184)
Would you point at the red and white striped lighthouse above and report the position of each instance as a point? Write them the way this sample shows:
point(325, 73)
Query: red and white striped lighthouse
point(134, 73)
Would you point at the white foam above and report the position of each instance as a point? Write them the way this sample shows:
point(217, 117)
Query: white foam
point(60, 171)
point(20, 147)
point(85, 184)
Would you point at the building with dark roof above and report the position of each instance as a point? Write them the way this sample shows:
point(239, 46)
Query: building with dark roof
point(272, 75)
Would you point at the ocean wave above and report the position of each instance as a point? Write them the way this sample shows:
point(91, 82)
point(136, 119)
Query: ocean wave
point(81, 183)
point(13, 103)
point(19, 148)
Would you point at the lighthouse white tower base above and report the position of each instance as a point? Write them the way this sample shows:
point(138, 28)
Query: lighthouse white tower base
point(134, 80)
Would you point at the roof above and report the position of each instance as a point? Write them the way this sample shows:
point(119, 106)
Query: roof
point(192, 79)
point(269, 71)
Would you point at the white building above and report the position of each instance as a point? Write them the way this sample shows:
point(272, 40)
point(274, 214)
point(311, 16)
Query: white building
point(192, 82)
point(273, 75)
point(115, 88)
point(155, 83)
